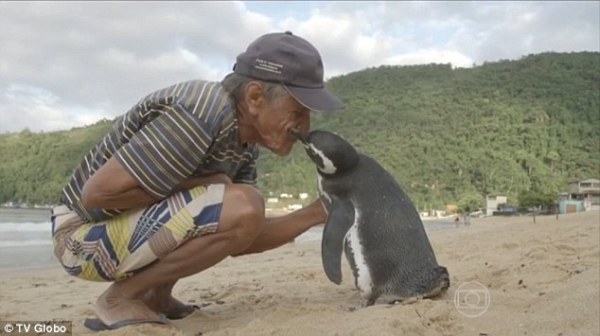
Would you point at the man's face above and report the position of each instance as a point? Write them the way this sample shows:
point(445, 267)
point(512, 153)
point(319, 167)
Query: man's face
point(275, 121)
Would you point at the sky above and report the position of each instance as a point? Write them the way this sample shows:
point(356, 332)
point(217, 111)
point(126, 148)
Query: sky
point(70, 64)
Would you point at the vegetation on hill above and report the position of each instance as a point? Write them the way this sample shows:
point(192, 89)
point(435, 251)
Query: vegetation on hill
point(449, 136)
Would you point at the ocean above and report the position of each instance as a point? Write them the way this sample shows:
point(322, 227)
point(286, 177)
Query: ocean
point(25, 238)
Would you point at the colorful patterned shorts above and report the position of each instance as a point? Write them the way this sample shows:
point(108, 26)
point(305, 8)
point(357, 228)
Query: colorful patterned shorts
point(115, 249)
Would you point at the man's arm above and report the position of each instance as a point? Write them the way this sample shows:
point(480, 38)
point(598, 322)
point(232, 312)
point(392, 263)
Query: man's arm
point(281, 230)
point(112, 187)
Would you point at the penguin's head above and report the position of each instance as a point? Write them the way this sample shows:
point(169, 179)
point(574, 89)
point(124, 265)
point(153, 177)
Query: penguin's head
point(330, 152)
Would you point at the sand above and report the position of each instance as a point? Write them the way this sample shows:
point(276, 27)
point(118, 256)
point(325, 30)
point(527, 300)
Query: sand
point(542, 279)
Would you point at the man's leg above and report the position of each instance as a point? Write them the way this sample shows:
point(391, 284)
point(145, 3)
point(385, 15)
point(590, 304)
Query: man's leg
point(160, 300)
point(241, 220)
point(276, 232)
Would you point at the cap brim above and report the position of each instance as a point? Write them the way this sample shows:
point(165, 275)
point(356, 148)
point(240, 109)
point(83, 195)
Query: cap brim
point(319, 100)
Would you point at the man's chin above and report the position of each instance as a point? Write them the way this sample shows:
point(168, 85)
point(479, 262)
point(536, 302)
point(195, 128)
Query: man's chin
point(284, 152)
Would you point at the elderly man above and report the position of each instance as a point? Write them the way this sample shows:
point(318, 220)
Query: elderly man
point(169, 192)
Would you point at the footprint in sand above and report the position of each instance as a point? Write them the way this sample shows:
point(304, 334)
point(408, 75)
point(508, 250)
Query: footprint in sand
point(234, 290)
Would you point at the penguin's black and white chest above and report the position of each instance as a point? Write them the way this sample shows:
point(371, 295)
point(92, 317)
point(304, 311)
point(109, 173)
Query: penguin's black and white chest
point(354, 250)
point(353, 241)
point(323, 192)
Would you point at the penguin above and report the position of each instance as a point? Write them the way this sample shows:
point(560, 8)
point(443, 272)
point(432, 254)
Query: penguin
point(374, 223)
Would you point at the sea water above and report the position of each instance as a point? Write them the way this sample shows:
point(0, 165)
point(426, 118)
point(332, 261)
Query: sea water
point(25, 239)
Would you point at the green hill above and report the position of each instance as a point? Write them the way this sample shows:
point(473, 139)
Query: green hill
point(447, 135)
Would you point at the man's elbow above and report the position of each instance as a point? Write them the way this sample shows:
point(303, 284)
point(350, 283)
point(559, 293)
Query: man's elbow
point(86, 198)
point(90, 197)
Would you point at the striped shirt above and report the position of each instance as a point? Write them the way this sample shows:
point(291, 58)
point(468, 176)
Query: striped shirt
point(188, 129)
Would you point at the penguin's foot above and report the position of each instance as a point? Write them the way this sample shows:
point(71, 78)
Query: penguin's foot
point(404, 301)
point(365, 302)
point(439, 290)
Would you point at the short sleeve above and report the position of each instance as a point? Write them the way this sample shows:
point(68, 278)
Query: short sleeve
point(167, 150)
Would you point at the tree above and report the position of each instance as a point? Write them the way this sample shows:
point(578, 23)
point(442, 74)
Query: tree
point(529, 199)
point(470, 202)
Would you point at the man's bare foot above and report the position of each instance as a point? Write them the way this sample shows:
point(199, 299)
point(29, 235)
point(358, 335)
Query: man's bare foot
point(164, 303)
point(111, 307)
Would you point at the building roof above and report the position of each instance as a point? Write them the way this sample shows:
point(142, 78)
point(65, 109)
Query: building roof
point(591, 180)
point(575, 180)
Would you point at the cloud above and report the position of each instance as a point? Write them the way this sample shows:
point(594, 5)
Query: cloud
point(37, 109)
point(71, 62)
point(427, 56)
point(105, 56)
point(339, 39)
point(492, 31)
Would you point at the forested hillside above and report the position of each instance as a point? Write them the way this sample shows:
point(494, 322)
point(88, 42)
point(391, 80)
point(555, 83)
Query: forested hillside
point(447, 135)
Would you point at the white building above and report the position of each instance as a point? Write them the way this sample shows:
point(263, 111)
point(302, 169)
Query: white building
point(492, 202)
point(585, 190)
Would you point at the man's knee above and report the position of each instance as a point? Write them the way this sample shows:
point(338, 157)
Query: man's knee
point(243, 211)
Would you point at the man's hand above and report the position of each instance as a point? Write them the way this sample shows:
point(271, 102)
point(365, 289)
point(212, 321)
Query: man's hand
point(317, 210)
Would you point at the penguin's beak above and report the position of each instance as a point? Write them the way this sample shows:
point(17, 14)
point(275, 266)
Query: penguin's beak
point(298, 134)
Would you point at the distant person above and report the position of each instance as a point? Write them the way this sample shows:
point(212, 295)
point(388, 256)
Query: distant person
point(170, 190)
point(467, 216)
point(467, 219)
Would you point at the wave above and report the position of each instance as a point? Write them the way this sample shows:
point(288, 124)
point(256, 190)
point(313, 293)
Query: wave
point(21, 243)
point(27, 226)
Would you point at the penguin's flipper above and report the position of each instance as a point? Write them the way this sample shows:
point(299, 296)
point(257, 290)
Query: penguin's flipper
point(339, 221)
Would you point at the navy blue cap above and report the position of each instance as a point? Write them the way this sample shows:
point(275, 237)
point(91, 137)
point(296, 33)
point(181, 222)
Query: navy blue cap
point(293, 62)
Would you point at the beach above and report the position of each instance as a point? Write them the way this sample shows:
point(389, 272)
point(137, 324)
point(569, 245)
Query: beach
point(538, 278)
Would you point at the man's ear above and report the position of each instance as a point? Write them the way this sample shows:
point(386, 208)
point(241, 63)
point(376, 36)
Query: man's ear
point(255, 97)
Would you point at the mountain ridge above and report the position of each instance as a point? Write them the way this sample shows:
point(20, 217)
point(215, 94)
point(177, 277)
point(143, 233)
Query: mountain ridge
point(447, 135)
